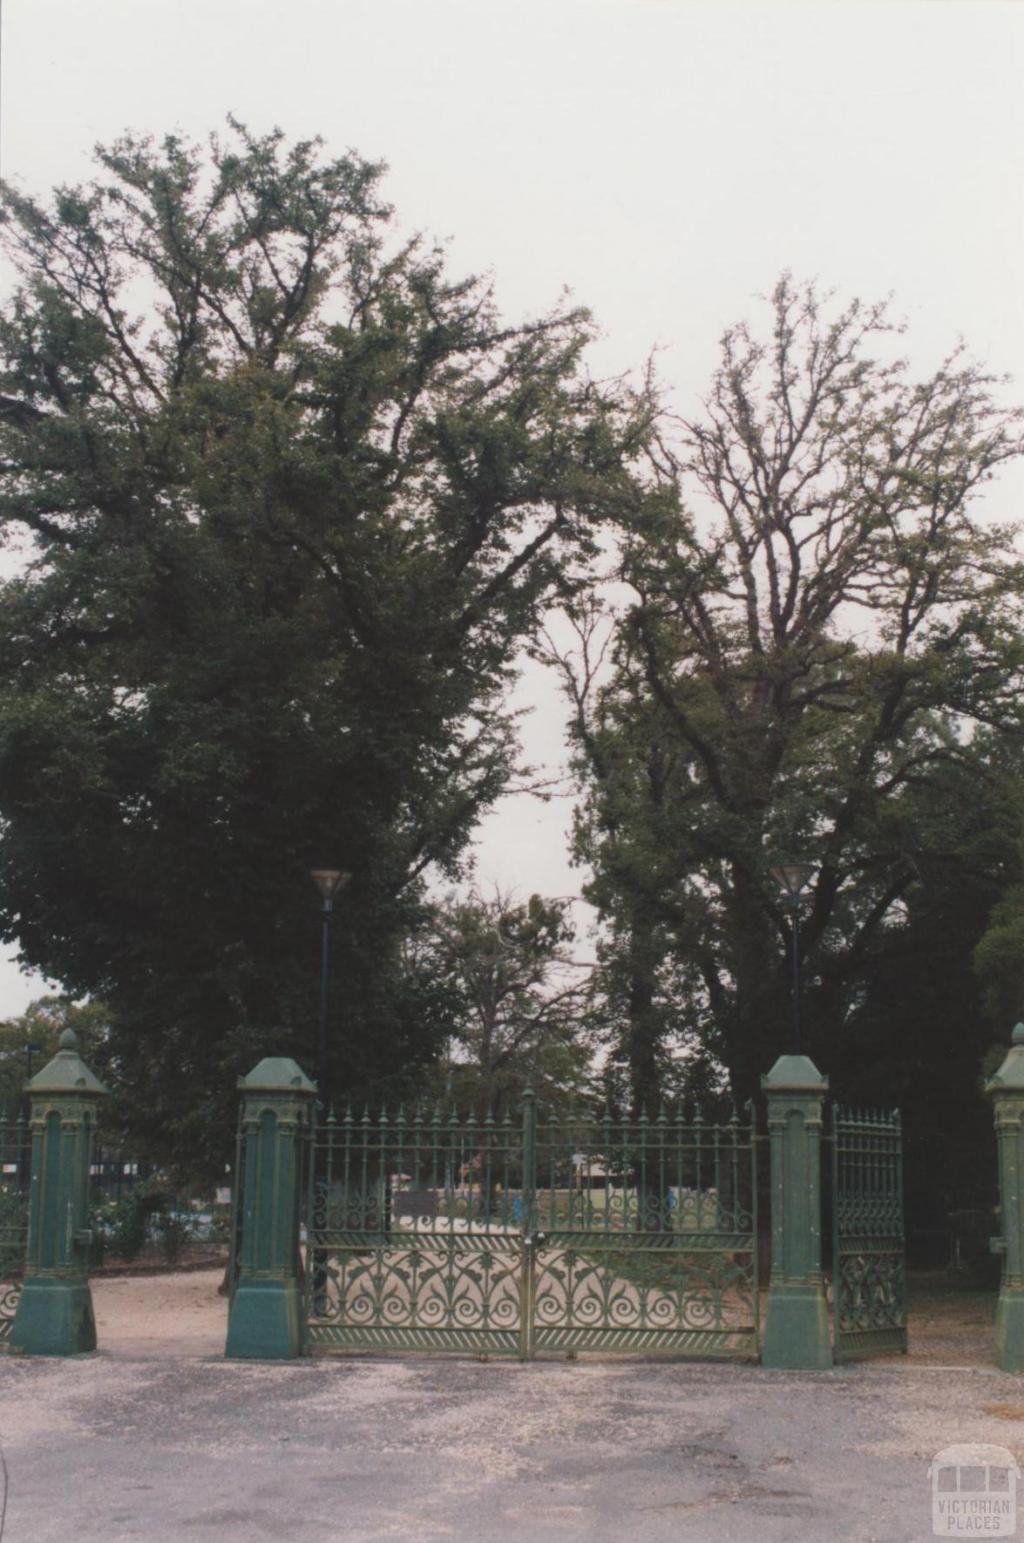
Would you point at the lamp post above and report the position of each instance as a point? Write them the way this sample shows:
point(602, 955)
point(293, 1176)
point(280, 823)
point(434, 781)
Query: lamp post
point(30, 1049)
point(328, 881)
point(793, 879)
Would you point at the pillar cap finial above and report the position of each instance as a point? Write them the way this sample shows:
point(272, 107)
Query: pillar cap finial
point(277, 1074)
point(796, 1074)
point(1010, 1076)
point(67, 1072)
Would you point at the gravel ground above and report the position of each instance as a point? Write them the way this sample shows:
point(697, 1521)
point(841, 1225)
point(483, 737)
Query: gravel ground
point(158, 1438)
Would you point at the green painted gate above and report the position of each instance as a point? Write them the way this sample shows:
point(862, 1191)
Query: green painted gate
point(532, 1234)
point(868, 1269)
point(645, 1237)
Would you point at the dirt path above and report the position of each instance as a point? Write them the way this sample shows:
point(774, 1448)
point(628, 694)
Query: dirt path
point(161, 1317)
point(949, 1321)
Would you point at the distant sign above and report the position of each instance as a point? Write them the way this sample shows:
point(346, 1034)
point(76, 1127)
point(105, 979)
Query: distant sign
point(418, 1204)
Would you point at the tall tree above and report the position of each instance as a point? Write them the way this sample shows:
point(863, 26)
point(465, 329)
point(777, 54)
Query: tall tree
point(294, 495)
point(913, 1031)
point(823, 617)
point(520, 1000)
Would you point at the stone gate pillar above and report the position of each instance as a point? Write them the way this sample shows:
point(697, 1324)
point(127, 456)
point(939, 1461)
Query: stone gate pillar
point(796, 1332)
point(265, 1322)
point(1006, 1089)
point(54, 1314)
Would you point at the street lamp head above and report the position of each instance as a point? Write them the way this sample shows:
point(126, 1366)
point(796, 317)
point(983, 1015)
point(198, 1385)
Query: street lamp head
point(792, 878)
point(328, 881)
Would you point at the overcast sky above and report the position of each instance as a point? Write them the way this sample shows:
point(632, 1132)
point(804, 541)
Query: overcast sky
point(664, 159)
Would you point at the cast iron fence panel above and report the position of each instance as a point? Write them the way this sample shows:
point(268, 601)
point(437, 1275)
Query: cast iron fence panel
point(868, 1268)
point(645, 1236)
point(517, 1235)
point(15, 1180)
point(113, 1173)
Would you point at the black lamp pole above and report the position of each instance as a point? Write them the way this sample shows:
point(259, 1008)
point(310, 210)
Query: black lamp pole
point(328, 881)
point(30, 1051)
point(797, 1045)
point(793, 879)
point(25, 1109)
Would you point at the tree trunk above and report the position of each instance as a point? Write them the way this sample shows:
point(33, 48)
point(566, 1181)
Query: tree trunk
point(644, 1054)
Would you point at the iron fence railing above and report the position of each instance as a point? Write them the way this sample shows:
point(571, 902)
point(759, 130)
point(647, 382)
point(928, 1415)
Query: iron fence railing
point(15, 1177)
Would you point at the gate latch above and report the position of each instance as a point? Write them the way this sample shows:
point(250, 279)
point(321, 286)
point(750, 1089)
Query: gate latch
point(535, 1239)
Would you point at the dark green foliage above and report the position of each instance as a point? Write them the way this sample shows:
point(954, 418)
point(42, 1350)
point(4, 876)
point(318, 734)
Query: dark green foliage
point(149, 1213)
point(914, 1033)
point(999, 956)
point(175, 1230)
point(121, 1227)
point(295, 496)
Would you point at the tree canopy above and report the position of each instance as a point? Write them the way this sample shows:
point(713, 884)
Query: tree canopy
point(294, 495)
point(821, 656)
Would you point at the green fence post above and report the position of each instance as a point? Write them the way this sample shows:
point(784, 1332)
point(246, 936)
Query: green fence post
point(796, 1333)
point(1006, 1088)
point(265, 1322)
point(55, 1315)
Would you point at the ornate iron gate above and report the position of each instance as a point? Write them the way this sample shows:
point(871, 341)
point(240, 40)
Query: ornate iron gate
point(413, 1234)
point(515, 1237)
point(645, 1237)
point(15, 1158)
point(868, 1273)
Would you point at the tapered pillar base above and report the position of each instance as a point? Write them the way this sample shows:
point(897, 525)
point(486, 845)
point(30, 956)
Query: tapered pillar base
point(54, 1317)
point(265, 1322)
point(796, 1330)
point(1010, 1329)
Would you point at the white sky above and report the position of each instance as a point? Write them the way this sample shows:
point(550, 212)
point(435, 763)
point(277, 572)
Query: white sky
point(665, 159)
